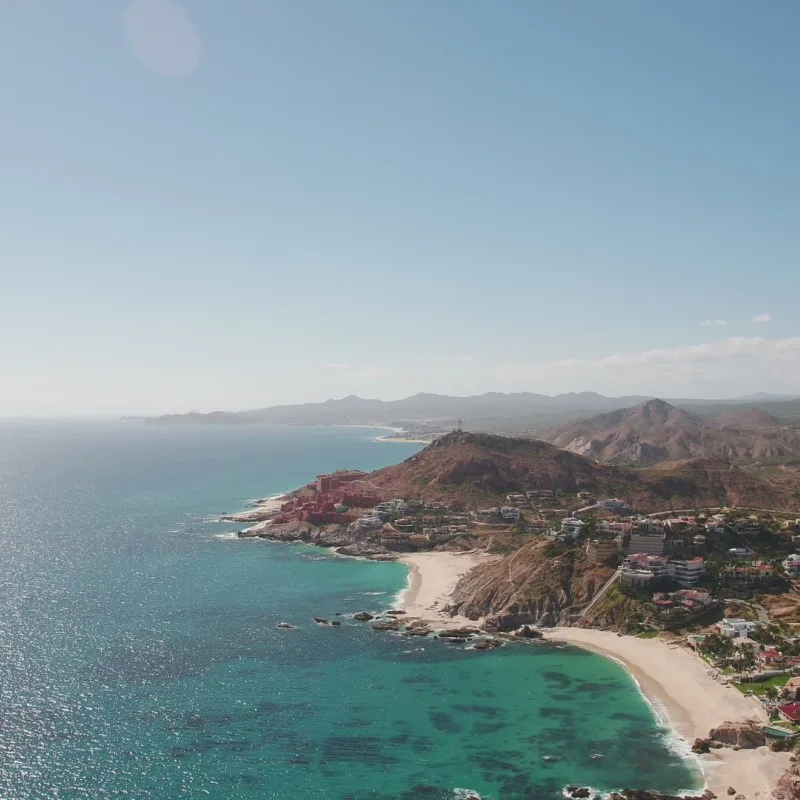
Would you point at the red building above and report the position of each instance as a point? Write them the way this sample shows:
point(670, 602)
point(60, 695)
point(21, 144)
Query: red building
point(790, 712)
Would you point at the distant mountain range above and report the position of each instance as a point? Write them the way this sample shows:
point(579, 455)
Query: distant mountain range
point(656, 431)
point(521, 412)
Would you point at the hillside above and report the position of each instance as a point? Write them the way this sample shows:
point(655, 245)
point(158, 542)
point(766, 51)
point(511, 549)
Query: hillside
point(477, 468)
point(656, 431)
point(530, 586)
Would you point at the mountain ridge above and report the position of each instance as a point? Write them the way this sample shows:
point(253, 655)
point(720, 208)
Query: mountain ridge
point(516, 412)
point(656, 431)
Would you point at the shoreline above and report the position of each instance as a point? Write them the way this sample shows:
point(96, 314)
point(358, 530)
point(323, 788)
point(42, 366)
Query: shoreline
point(432, 577)
point(682, 693)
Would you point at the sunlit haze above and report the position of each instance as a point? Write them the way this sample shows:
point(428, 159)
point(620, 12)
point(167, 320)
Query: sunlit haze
point(226, 205)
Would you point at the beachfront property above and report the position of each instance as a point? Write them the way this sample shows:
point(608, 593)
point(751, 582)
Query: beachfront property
point(792, 564)
point(736, 628)
point(770, 659)
point(682, 602)
point(790, 712)
point(393, 507)
point(687, 572)
point(676, 525)
point(368, 522)
point(650, 543)
point(615, 526)
point(747, 573)
point(614, 504)
point(572, 527)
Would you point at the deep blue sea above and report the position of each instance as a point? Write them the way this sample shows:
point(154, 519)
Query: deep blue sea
point(139, 655)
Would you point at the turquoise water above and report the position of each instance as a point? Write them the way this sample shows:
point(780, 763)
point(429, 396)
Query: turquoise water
point(139, 655)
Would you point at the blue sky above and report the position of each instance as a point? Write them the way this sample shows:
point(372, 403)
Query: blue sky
point(229, 205)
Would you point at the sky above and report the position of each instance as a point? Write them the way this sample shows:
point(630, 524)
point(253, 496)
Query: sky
point(226, 205)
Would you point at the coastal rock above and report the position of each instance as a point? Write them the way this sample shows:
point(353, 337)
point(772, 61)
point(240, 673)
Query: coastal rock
point(788, 786)
point(701, 746)
point(745, 735)
point(578, 791)
point(644, 794)
point(363, 616)
point(459, 633)
point(386, 625)
point(731, 790)
point(529, 587)
point(527, 632)
point(487, 644)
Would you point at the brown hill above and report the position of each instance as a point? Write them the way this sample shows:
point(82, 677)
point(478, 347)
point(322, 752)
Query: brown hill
point(478, 468)
point(657, 431)
point(530, 586)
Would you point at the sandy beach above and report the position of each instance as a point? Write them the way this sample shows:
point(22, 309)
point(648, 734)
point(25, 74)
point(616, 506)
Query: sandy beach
point(432, 578)
point(692, 702)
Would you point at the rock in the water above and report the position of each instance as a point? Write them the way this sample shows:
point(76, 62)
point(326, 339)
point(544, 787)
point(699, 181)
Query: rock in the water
point(578, 791)
point(459, 633)
point(527, 632)
point(363, 616)
point(386, 625)
point(286, 626)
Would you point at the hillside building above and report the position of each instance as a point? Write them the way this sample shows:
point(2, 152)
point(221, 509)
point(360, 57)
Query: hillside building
point(649, 543)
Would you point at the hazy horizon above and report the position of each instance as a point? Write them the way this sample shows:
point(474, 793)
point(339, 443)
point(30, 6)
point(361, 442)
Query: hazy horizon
point(213, 206)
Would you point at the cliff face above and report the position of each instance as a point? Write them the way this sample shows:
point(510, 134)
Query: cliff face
point(531, 586)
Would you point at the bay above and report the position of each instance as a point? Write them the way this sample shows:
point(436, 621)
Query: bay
point(140, 658)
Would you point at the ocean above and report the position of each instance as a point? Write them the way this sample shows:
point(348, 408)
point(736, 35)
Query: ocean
point(139, 654)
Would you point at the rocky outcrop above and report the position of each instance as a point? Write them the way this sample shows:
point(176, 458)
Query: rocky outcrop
point(362, 616)
point(533, 586)
point(346, 542)
point(788, 785)
point(744, 735)
point(643, 794)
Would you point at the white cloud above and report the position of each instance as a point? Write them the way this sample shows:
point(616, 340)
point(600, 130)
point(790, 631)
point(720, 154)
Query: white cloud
point(708, 323)
point(336, 366)
point(762, 319)
point(754, 361)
